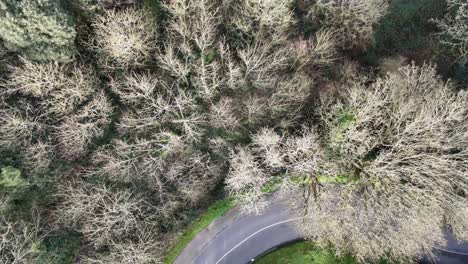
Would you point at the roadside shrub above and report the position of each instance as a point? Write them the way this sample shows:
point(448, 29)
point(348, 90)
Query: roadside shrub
point(39, 30)
point(124, 38)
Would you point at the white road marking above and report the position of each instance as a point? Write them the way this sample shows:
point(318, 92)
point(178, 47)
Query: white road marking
point(243, 241)
point(453, 252)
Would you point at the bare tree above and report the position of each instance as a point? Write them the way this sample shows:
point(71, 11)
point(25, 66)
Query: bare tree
point(288, 98)
point(103, 215)
point(144, 250)
point(351, 20)
point(38, 156)
point(454, 28)
point(60, 87)
point(124, 38)
point(245, 181)
point(194, 27)
point(263, 17)
point(269, 155)
point(17, 240)
point(155, 104)
point(16, 128)
point(77, 131)
point(262, 60)
point(128, 161)
point(317, 52)
point(224, 115)
point(166, 164)
point(401, 145)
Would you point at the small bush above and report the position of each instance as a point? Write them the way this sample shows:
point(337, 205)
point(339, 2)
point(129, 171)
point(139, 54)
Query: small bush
point(11, 177)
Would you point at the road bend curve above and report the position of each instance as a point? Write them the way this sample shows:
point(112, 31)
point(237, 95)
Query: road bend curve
point(236, 238)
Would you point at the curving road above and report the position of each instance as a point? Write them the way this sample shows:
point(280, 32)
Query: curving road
point(238, 239)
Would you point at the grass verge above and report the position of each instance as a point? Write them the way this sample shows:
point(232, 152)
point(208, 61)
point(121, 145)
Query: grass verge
point(306, 253)
point(303, 253)
point(213, 212)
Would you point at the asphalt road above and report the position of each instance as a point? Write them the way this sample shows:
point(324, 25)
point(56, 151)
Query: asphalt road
point(238, 239)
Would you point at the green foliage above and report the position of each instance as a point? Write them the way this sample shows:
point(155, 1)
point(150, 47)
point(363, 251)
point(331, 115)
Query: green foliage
point(11, 177)
point(154, 6)
point(58, 248)
point(216, 210)
point(24, 200)
point(39, 30)
point(407, 26)
point(273, 184)
point(307, 253)
point(344, 120)
point(303, 253)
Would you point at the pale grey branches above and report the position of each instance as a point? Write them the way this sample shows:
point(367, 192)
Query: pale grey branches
point(270, 155)
point(124, 38)
point(402, 145)
point(454, 28)
point(351, 20)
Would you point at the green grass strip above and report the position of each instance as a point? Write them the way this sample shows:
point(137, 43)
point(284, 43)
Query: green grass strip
point(303, 253)
point(216, 210)
point(307, 253)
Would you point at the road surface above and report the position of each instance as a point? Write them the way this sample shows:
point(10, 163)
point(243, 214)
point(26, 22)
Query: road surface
point(238, 239)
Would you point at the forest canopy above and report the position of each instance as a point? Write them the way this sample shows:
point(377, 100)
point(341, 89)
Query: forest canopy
point(121, 121)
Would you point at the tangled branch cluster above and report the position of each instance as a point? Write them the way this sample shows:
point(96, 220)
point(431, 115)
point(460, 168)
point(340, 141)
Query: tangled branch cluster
point(124, 38)
point(116, 219)
point(455, 27)
point(252, 167)
point(57, 110)
point(352, 20)
point(17, 240)
point(164, 163)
